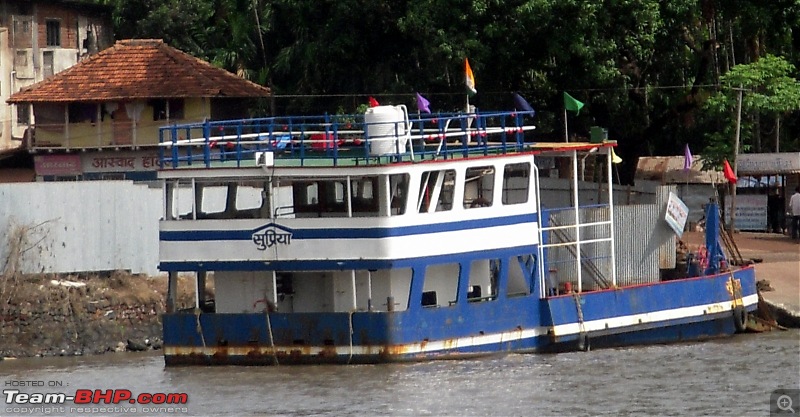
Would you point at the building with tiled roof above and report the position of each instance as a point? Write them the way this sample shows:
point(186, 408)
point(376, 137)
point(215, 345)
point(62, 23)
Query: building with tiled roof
point(114, 102)
point(39, 38)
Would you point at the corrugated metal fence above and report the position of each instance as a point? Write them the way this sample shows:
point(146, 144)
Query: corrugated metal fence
point(81, 226)
point(113, 225)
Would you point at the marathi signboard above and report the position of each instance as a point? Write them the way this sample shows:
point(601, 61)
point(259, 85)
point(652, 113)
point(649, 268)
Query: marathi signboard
point(676, 214)
point(768, 163)
point(66, 164)
point(120, 161)
point(751, 212)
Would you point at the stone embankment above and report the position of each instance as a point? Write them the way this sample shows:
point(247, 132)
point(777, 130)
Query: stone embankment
point(44, 315)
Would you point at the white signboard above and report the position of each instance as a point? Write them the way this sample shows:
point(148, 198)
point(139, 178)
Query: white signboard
point(751, 212)
point(768, 163)
point(676, 214)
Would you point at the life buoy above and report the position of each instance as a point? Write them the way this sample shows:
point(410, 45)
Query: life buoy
point(740, 318)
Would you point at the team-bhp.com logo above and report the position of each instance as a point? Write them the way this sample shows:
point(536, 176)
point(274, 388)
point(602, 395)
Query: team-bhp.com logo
point(93, 401)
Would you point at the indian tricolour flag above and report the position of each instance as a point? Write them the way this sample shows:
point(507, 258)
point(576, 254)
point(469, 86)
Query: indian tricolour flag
point(469, 78)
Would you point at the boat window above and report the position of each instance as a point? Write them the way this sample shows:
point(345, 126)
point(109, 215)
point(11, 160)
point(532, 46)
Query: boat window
point(436, 191)
point(251, 200)
point(441, 285)
point(210, 199)
point(482, 280)
point(520, 272)
point(479, 187)
point(398, 184)
point(364, 196)
point(516, 183)
point(179, 206)
point(325, 198)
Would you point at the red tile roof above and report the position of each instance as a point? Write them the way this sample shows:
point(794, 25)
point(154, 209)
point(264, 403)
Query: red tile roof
point(138, 69)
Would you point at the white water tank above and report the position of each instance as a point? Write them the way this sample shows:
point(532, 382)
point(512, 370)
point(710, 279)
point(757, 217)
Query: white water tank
point(387, 130)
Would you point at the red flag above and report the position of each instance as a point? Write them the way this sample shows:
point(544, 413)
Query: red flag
point(373, 102)
point(728, 172)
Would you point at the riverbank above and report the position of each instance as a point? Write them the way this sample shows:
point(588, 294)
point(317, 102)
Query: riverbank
point(777, 263)
point(44, 315)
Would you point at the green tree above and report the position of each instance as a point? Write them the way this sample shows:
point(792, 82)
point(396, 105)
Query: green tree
point(769, 89)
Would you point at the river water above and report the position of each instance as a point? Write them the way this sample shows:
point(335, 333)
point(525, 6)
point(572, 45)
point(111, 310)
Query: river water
point(732, 376)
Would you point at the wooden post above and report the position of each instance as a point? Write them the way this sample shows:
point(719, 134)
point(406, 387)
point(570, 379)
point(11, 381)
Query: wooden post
point(732, 229)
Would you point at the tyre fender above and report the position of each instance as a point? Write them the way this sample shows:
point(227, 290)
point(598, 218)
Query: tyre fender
point(740, 318)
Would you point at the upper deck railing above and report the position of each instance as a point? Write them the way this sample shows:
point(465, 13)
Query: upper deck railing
point(332, 140)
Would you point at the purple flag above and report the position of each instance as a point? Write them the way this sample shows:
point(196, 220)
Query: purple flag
point(423, 104)
point(687, 158)
point(522, 104)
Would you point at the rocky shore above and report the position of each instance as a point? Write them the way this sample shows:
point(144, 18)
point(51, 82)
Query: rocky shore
point(45, 315)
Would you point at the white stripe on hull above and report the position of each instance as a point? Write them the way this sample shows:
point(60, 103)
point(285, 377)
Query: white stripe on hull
point(618, 323)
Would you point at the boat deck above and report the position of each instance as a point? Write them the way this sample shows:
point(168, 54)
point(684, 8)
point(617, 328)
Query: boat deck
point(344, 140)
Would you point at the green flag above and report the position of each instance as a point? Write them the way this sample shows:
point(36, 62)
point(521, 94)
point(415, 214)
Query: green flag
point(571, 104)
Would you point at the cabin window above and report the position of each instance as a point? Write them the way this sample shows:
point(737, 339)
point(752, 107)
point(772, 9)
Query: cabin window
point(252, 200)
point(520, 275)
point(212, 200)
point(441, 285)
point(516, 183)
point(364, 196)
point(398, 185)
point(478, 187)
point(482, 280)
point(53, 32)
point(436, 191)
point(320, 198)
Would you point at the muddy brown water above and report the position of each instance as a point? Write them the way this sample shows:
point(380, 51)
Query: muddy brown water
point(731, 376)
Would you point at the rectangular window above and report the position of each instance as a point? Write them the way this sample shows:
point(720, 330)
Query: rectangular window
point(320, 198)
point(398, 185)
point(48, 64)
point(171, 109)
point(53, 32)
point(82, 112)
point(479, 187)
point(364, 196)
point(516, 183)
point(437, 188)
point(23, 114)
point(521, 271)
point(440, 286)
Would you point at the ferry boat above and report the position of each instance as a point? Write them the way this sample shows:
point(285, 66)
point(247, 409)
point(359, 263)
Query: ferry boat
point(389, 236)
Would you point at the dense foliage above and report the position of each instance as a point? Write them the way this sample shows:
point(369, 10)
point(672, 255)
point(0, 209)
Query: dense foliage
point(657, 74)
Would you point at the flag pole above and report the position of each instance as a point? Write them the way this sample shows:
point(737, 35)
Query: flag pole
point(566, 130)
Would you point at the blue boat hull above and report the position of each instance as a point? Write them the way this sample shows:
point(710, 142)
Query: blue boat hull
point(665, 312)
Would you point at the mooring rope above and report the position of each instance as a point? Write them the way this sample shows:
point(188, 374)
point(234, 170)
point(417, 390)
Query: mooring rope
point(199, 327)
point(350, 320)
point(271, 339)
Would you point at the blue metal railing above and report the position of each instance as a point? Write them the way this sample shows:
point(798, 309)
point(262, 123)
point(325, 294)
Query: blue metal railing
point(340, 138)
